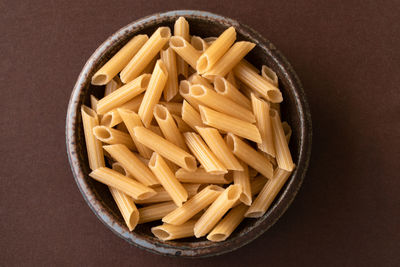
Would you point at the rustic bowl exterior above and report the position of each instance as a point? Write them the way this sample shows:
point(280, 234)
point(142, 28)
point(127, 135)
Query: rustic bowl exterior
point(294, 109)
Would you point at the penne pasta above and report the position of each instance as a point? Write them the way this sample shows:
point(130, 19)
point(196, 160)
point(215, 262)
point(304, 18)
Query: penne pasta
point(184, 91)
point(195, 78)
point(201, 176)
point(185, 50)
point(170, 232)
point(111, 118)
point(216, 50)
point(191, 116)
point(231, 78)
point(165, 148)
point(119, 60)
point(218, 146)
point(123, 94)
point(181, 28)
point(182, 126)
point(283, 156)
point(210, 40)
point(249, 155)
point(163, 195)
point(122, 183)
point(263, 122)
point(203, 153)
point(156, 130)
point(287, 130)
point(257, 184)
point(150, 67)
point(268, 194)
point(153, 93)
point(173, 108)
point(146, 53)
point(217, 209)
point(155, 212)
point(133, 104)
point(112, 136)
point(242, 179)
point(199, 44)
point(171, 88)
point(111, 86)
point(93, 145)
point(227, 123)
point(193, 206)
point(226, 89)
point(93, 102)
point(270, 75)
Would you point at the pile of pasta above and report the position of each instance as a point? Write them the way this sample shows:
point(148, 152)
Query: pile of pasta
point(191, 132)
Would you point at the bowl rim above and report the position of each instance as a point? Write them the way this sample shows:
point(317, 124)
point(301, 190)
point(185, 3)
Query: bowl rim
point(265, 222)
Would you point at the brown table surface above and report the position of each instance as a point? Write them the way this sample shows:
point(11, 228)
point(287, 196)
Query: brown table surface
point(347, 56)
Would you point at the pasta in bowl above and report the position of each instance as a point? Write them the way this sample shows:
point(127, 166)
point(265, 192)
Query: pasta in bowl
point(176, 138)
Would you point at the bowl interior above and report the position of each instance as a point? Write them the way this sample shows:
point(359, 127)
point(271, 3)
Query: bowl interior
point(293, 111)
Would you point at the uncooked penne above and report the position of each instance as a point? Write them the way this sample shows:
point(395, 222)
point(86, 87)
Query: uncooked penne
point(170, 232)
point(198, 43)
point(185, 50)
point(93, 145)
point(270, 75)
point(171, 88)
point(193, 206)
point(123, 183)
point(201, 176)
point(217, 209)
point(203, 153)
point(119, 60)
point(257, 183)
point(155, 212)
point(184, 91)
point(195, 78)
point(216, 50)
point(123, 94)
point(231, 124)
point(231, 78)
point(228, 90)
point(163, 195)
point(263, 122)
point(182, 125)
point(111, 118)
point(181, 28)
point(112, 136)
point(249, 155)
point(173, 107)
point(146, 53)
point(93, 102)
point(268, 194)
point(132, 164)
point(283, 156)
point(153, 92)
point(228, 224)
point(242, 178)
point(133, 104)
point(165, 148)
point(111, 86)
point(287, 130)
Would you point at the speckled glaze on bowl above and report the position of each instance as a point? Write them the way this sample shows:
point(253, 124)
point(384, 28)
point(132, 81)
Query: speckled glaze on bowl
point(294, 109)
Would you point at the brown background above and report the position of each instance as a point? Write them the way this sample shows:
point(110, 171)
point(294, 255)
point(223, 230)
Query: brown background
point(347, 56)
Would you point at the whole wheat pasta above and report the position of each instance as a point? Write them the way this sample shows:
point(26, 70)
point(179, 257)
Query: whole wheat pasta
point(119, 60)
point(165, 148)
point(170, 232)
point(122, 183)
point(283, 156)
point(153, 92)
point(184, 91)
point(181, 28)
point(287, 130)
point(111, 86)
point(242, 178)
point(93, 145)
point(173, 107)
point(132, 164)
point(123, 94)
point(111, 118)
point(231, 78)
point(191, 116)
point(226, 89)
point(201, 176)
point(146, 53)
point(203, 153)
point(171, 88)
point(193, 206)
point(155, 212)
point(185, 50)
point(249, 155)
point(163, 195)
point(227, 123)
point(216, 50)
point(257, 183)
point(270, 75)
point(217, 209)
point(112, 136)
point(195, 78)
point(182, 125)
point(268, 194)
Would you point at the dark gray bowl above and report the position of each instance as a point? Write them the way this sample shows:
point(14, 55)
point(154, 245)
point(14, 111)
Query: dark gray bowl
point(294, 109)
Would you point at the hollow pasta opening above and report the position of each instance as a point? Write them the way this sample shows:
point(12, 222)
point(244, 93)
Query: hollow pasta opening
point(274, 95)
point(197, 90)
point(165, 32)
point(233, 192)
point(160, 233)
point(202, 64)
point(101, 132)
point(161, 112)
point(217, 237)
point(219, 85)
point(145, 81)
point(190, 163)
point(184, 87)
point(107, 119)
point(99, 79)
point(177, 42)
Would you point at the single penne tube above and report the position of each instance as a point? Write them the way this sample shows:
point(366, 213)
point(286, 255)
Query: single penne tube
point(211, 99)
point(270, 75)
point(168, 126)
point(199, 44)
point(231, 124)
point(155, 212)
point(268, 193)
point(283, 156)
point(247, 91)
point(173, 107)
point(257, 183)
point(201, 176)
point(93, 102)
point(218, 146)
point(153, 92)
point(193, 206)
point(116, 166)
point(167, 179)
point(165, 148)
point(191, 116)
point(181, 28)
point(111, 118)
point(210, 40)
point(184, 91)
point(263, 122)
point(257, 83)
point(185, 50)
point(112, 136)
point(171, 88)
point(231, 78)
point(287, 130)
point(218, 208)
point(146, 53)
point(132, 164)
point(133, 104)
point(182, 125)
point(242, 178)
point(163, 195)
point(131, 120)
point(111, 86)
point(93, 145)
point(119, 60)
point(228, 224)
point(249, 155)
point(216, 50)
point(195, 78)
point(223, 87)
point(123, 94)
point(230, 59)
point(171, 232)
point(203, 153)
point(122, 183)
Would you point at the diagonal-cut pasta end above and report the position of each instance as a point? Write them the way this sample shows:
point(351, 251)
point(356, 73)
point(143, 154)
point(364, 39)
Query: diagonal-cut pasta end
point(275, 96)
point(133, 220)
point(254, 214)
point(217, 237)
point(100, 79)
point(161, 233)
point(202, 64)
